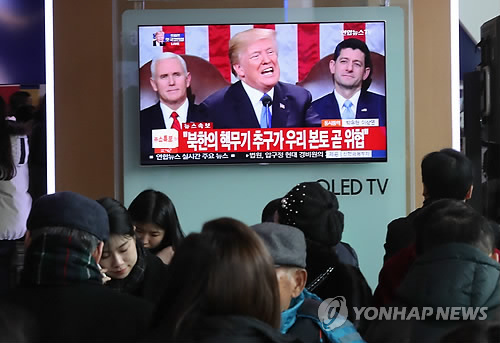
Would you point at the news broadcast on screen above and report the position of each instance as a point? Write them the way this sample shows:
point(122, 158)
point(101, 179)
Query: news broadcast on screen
point(262, 93)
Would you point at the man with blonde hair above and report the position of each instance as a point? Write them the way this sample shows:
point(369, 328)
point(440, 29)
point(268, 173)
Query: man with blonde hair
point(258, 99)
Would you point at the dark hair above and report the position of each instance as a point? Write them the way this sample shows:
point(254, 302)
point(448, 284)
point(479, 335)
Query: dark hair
point(230, 273)
point(357, 44)
point(18, 99)
point(25, 113)
point(120, 222)
point(452, 221)
point(8, 128)
point(447, 174)
point(314, 210)
point(270, 209)
point(155, 207)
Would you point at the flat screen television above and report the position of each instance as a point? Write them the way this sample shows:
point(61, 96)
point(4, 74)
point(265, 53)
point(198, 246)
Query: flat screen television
point(304, 55)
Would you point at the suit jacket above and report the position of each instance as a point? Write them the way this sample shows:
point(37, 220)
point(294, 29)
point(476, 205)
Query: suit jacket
point(152, 118)
point(370, 106)
point(230, 107)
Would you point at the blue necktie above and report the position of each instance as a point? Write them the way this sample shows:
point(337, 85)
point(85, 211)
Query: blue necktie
point(348, 113)
point(265, 115)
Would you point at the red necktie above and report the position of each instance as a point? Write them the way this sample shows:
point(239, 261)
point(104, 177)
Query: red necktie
point(175, 125)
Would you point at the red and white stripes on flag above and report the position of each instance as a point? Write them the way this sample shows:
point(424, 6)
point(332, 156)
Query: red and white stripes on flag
point(300, 46)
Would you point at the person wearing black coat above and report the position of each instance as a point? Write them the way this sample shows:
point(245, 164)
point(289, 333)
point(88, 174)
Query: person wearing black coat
point(61, 287)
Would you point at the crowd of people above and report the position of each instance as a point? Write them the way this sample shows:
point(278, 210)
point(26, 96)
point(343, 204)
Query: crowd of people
point(95, 270)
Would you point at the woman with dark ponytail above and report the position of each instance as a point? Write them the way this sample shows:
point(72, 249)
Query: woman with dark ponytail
point(157, 224)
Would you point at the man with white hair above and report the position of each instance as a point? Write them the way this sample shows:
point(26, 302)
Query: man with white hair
point(170, 79)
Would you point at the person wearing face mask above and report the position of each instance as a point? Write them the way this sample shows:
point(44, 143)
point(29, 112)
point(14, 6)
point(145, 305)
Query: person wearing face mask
point(258, 99)
point(351, 68)
point(130, 267)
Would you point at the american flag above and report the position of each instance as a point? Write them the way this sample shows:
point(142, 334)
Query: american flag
point(300, 45)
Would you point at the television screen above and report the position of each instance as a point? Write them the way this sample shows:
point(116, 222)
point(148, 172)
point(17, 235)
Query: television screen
point(278, 95)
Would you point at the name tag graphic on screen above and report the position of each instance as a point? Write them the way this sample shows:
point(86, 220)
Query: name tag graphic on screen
point(165, 138)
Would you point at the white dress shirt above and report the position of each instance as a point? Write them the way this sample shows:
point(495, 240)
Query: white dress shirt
point(255, 96)
point(340, 100)
point(181, 111)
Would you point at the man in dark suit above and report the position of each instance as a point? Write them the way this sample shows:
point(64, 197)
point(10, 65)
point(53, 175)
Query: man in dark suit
point(170, 79)
point(258, 100)
point(351, 68)
point(61, 284)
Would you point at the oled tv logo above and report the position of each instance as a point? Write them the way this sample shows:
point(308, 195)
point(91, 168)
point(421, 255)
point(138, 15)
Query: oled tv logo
point(332, 313)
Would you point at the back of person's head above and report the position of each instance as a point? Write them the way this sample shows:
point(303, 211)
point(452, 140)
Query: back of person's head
point(315, 211)
point(155, 207)
point(18, 99)
point(269, 212)
point(224, 270)
point(120, 222)
point(25, 113)
point(452, 221)
point(446, 174)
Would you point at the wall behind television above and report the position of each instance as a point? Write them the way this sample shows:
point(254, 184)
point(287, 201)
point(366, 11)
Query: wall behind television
point(202, 193)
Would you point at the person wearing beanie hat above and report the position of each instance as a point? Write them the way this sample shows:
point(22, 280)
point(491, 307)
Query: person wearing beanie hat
point(314, 210)
point(300, 308)
point(61, 284)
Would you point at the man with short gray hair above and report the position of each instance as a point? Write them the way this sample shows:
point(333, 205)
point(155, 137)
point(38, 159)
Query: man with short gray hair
point(61, 284)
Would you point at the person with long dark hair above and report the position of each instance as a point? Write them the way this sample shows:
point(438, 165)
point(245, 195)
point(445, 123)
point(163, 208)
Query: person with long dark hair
point(222, 288)
point(15, 201)
point(132, 268)
point(157, 224)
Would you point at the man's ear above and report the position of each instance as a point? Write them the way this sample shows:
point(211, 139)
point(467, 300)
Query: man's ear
point(239, 70)
point(153, 84)
point(98, 252)
point(469, 193)
point(300, 278)
point(331, 66)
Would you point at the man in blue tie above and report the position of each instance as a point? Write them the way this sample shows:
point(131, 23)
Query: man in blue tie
point(258, 99)
point(351, 68)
